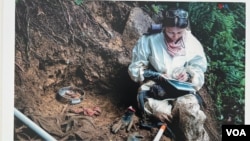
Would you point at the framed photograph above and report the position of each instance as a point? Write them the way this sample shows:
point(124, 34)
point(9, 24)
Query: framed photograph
point(102, 49)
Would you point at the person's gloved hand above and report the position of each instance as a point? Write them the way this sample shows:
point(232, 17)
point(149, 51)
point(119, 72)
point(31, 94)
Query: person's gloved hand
point(163, 117)
point(180, 74)
point(125, 121)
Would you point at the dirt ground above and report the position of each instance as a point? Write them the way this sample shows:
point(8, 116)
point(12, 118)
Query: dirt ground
point(59, 44)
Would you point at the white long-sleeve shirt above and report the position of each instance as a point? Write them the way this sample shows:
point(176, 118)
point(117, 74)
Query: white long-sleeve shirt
point(152, 50)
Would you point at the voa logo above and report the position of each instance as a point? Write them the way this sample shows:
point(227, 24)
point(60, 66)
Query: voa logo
point(236, 132)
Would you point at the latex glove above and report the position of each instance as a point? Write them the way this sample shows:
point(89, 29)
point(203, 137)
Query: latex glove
point(126, 121)
point(163, 117)
point(180, 74)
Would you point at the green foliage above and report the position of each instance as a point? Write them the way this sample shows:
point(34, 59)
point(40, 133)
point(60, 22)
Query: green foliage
point(78, 2)
point(156, 8)
point(222, 33)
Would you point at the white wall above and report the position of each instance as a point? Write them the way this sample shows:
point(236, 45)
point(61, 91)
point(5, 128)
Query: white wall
point(7, 16)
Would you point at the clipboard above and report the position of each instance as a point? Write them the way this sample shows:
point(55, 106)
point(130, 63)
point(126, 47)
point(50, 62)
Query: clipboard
point(184, 86)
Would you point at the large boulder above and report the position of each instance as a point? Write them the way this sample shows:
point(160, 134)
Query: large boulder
point(137, 24)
